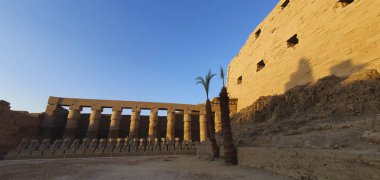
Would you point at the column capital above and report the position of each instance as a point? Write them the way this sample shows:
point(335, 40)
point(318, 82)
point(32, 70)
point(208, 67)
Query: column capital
point(154, 110)
point(96, 108)
point(117, 108)
point(75, 107)
point(203, 112)
point(136, 109)
point(188, 112)
point(171, 111)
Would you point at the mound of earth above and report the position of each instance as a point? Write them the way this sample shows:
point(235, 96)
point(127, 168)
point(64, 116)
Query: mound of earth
point(332, 113)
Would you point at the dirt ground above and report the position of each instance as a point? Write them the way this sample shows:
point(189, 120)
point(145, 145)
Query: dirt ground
point(150, 167)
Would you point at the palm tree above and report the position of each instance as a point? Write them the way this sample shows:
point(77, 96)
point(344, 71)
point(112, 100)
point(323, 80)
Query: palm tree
point(205, 82)
point(229, 147)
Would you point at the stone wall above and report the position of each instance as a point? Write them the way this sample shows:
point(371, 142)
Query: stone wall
point(331, 38)
point(15, 125)
point(313, 164)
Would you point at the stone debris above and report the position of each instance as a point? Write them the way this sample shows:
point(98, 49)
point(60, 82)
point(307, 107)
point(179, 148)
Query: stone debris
point(371, 136)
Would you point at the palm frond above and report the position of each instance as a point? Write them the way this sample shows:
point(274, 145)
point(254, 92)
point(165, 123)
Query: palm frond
point(200, 80)
point(222, 74)
point(205, 81)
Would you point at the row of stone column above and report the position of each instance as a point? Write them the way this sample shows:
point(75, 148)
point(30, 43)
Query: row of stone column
point(95, 117)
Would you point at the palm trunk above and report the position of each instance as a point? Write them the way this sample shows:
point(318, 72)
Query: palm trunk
point(211, 129)
point(229, 147)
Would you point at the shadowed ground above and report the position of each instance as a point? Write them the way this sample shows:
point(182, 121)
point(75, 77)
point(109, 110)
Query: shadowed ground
point(153, 167)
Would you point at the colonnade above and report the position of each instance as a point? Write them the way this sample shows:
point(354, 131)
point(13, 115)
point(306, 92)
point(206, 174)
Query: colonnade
point(55, 115)
point(74, 117)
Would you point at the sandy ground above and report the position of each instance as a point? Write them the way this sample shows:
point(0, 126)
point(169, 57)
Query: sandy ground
point(152, 167)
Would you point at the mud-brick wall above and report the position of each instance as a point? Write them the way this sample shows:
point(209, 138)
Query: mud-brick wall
point(16, 125)
point(333, 38)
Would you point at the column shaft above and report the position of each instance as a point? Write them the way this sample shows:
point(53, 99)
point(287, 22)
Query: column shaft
point(187, 126)
point(135, 124)
point(93, 126)
point(153, 122)
point(115, 124)
point(218, 121)
point(170, 128)
point(72, 123)
point(202, 127)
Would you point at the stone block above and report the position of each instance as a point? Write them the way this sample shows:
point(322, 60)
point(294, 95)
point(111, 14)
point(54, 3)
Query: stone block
point(26, 153)
point(110, 146)
point(312, 164)
point(14, 153)
point(92, 146)
point(60, 152)
point(69, 153)
point(320, 42)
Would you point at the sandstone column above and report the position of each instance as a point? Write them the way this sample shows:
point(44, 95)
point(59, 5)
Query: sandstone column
point(52, 120)
point(218, 121)
point(115, 123)
point(153, 121)
point(72, 122)
point(170, 129)
point(135, 124)
point(187, 126)
point(93, 126)
point(202, 126)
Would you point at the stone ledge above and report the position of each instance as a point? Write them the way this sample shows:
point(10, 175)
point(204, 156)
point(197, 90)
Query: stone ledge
point(312, 164)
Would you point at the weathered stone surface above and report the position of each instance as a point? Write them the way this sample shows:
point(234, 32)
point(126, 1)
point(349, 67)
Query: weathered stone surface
point(14, 153)
point(92, 146)
point(332, 39)
point(81, 148)
point(371, 136)
point(33, 146)
point(313, 164)
point(15, 126)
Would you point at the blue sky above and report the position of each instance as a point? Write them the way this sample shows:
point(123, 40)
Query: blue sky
point(140, 50)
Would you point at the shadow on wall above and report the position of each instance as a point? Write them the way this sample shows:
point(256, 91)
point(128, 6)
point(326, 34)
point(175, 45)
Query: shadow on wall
point(302, 76)
point(345, 68)
point(304, 73)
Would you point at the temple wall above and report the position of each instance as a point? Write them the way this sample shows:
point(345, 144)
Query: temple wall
point(333, 38)
point(15, 125)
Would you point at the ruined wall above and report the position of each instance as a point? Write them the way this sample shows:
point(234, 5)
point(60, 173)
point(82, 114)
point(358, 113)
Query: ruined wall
point(333, 38)
point(312, 164)
point(16, 125)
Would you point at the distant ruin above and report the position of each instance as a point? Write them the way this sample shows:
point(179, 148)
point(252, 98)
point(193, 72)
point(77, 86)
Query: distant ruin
point(63, 120)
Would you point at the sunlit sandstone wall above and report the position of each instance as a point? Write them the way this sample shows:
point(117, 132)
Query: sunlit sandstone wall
point(333, 38)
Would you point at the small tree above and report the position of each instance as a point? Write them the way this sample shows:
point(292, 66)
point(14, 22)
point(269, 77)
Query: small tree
point(205, 82)
point(229, 147)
